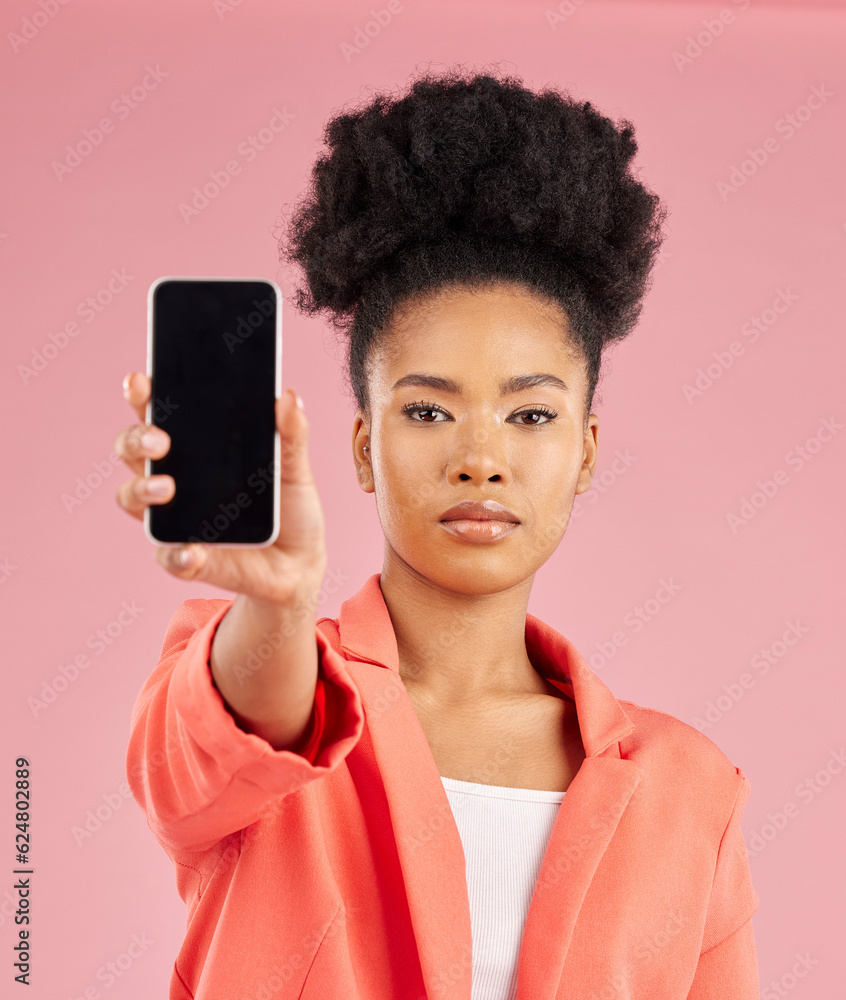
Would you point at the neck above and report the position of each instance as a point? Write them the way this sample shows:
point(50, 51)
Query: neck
point(459, 648)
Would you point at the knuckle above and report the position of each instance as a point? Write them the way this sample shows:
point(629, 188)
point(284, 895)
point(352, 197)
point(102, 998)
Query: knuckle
point(124, 495)
point(198, 570)
point(119, 444)
point(166, 557)
point(139, 492)
point(131, 442)
point(133, 438)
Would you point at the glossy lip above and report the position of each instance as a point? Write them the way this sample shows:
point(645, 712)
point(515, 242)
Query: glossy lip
point(485, 531)
point(475, 510)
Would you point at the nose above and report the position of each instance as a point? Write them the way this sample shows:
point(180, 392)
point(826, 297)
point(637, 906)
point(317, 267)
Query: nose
point(478, 455)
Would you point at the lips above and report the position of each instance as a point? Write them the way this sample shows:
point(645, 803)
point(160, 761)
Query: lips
point(476, 510)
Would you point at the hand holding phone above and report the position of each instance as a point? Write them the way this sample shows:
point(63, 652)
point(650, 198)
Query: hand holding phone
point(270, 573)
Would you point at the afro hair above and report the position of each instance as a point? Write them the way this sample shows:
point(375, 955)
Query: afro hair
point(469, 179)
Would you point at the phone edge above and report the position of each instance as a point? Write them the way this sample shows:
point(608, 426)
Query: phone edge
point(277, 443)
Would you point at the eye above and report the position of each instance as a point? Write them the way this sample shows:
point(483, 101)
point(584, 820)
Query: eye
point(423, 407)
point(547, 414)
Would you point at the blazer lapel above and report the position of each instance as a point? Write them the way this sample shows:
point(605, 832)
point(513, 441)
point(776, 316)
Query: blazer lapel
point(428, 843)
point(587, 819)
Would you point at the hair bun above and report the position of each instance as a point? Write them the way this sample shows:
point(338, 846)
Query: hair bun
point(462, 162)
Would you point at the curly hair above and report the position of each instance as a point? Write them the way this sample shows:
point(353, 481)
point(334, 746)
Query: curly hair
point(465, 181)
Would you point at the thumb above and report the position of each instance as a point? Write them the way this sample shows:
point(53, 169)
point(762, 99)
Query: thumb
point(292, 425)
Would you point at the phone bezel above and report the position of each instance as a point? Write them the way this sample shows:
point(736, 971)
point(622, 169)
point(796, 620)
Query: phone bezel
point(277, 391)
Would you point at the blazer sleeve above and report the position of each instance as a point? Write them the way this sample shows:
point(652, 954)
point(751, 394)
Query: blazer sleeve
point(196, 774)
point(728, 963)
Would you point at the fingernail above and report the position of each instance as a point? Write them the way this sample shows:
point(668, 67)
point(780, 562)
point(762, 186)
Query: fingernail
point(297, 398)
point(158, 487)
point(152, 439)
point(185, 557)
point(127, 383)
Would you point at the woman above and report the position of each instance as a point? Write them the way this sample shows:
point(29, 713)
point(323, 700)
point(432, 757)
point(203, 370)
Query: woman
point(433, 795)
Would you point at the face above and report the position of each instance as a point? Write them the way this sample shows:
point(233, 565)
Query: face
point(440, 429)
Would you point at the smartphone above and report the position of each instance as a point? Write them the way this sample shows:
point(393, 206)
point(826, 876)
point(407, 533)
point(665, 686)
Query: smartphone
point(214, 357)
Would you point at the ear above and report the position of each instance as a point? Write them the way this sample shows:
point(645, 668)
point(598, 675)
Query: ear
point(591, 445)
point(361, 451)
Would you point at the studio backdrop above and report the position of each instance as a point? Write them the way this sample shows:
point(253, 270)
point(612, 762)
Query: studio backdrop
point(702, 573)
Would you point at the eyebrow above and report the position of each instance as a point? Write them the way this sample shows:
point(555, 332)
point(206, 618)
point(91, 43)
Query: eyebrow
point(516, 383)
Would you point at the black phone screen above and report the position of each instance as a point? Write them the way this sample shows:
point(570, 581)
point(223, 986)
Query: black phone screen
point(214, 357)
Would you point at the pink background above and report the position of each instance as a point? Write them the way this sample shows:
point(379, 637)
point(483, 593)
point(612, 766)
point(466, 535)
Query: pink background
point(661, 518)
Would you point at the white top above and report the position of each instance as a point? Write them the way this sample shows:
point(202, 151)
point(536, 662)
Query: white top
point(504, 832)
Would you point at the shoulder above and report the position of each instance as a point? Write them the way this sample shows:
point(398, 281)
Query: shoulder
point(684, 756)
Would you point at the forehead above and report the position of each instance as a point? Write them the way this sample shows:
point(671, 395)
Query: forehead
point(482, 331)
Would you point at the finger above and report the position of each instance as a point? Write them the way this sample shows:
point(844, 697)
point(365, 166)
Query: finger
point(292, 424)
point(262, 573)
point(135, 495)
point(135, 444)
point(136, 391)
point(302, 529)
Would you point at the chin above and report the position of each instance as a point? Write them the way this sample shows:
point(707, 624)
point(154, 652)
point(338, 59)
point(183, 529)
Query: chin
point(475, 573)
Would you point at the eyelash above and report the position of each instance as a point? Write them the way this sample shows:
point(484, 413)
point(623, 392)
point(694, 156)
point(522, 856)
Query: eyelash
point(410, 408)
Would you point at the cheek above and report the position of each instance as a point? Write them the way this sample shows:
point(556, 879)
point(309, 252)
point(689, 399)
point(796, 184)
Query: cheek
point(551, 483)
point(404, 489)
point(552, 470)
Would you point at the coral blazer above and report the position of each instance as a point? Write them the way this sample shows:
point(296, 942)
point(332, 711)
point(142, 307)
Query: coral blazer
point(337, 872)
